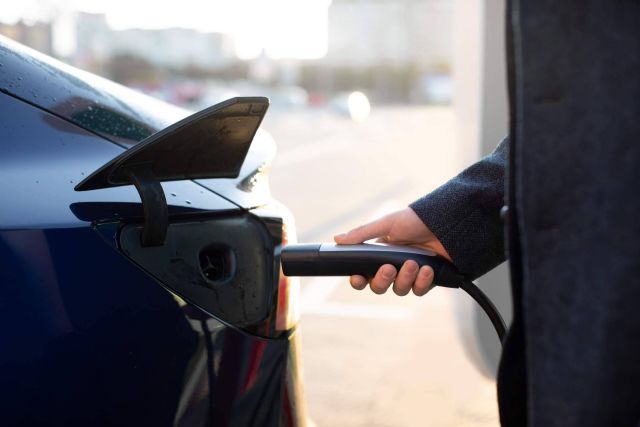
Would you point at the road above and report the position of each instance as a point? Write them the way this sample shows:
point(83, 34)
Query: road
point(372, 360)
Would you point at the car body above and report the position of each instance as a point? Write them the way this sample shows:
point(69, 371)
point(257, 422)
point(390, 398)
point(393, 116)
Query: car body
point(99, 329)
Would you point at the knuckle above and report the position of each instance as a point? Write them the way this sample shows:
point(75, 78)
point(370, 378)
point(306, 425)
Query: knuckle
point(411, 267)
point(404, 281)
point(426, 274)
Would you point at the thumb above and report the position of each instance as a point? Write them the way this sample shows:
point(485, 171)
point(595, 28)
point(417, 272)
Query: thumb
point(377, 228)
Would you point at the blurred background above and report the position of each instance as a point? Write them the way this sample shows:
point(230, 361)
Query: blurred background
point(373, 104)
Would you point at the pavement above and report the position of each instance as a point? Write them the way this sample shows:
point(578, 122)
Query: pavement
point(376, 360)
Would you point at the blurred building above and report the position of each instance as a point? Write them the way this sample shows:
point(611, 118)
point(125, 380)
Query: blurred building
point(370, 33)
point(37, 35)
point(96, 42)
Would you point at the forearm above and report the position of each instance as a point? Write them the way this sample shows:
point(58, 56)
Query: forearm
point(464, 214)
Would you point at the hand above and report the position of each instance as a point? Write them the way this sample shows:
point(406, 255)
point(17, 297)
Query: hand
point(399, 228)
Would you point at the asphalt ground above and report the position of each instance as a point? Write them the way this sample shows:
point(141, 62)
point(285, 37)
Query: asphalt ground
point(375, 360)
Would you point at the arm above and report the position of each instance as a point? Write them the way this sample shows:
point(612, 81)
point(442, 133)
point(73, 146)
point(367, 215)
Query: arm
point(459, 221)
point(464, 214)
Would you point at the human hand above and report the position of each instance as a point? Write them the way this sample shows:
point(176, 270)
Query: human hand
point(403, 227)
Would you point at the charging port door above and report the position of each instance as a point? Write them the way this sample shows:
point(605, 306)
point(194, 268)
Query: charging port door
point(224, 265)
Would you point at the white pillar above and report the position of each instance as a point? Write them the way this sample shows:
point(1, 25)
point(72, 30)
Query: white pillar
point(481, 111)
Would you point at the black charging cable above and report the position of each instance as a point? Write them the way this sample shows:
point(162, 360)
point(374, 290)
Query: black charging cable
point(483, 300)
point(328, 259)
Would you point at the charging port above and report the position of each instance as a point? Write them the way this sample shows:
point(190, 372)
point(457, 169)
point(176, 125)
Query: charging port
point(217, 263)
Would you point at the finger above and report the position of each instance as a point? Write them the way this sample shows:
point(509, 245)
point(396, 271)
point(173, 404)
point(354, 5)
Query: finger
point(358, 282)
point(406, 277)
point(387, 239)
point(378, 228)
point(423, 281)
point(383, 279)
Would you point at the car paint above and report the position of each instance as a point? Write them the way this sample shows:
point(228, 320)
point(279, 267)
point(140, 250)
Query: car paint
point(118, 114)
point(44, 157)
point(86, 336)
point(83, 345)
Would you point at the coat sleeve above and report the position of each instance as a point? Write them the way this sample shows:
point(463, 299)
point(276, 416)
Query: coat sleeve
point(464, 214)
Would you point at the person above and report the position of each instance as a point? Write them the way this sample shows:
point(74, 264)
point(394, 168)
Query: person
point(568, 174)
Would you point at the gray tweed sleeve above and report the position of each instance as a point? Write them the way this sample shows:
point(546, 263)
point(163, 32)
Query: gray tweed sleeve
point(464, 214)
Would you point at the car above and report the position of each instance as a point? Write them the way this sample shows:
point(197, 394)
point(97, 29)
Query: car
point(140, 279)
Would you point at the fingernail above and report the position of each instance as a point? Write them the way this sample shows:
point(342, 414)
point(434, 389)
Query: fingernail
point(341, 235)
point(387, 272)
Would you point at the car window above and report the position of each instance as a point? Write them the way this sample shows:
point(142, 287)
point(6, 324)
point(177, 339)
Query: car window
point(116, 112)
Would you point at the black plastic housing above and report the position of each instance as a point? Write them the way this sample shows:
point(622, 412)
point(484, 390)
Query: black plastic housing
point(326, 259)
point(224, 265)
point(211, 143)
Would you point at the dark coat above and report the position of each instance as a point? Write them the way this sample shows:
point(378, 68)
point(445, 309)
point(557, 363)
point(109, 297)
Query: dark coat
point(572, 355)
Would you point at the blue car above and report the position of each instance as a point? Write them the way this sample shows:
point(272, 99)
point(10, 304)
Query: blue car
point(140, 279)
